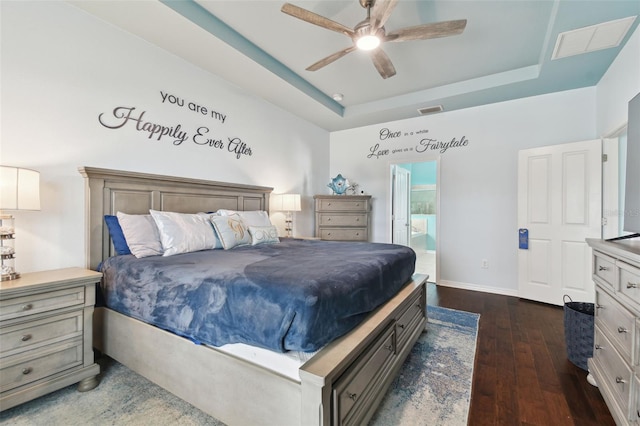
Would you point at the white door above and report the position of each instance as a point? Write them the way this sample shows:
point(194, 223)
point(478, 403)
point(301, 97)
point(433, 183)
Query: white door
point(401, 206)
point(610, 189)
point(559, 203)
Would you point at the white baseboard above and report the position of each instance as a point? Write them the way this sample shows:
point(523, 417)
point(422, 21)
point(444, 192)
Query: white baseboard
point(476, 287)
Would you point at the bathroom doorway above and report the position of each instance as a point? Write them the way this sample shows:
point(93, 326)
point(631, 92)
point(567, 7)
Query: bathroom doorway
point(421, 212)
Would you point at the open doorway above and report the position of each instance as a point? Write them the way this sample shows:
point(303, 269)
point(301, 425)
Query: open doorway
point(417, 201)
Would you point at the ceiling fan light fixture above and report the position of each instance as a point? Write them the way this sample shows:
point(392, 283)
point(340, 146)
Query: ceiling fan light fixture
point(368, 42)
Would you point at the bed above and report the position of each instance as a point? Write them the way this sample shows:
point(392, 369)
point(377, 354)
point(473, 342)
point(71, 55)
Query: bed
point(341, 383)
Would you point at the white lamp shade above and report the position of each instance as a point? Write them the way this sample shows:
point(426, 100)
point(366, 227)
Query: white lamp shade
point(286, 202)
point(291, 202)
point(19, 189)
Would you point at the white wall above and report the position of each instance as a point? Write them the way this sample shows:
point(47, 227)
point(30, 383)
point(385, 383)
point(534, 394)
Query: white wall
point(618, 86)
point(62, 68)
point(478, 182)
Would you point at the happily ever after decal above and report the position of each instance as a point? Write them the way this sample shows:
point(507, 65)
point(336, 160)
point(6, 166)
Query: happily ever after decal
point(131, 117)
point(392, 142)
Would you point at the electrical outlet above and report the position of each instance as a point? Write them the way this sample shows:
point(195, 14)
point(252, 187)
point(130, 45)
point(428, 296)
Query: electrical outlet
point(485, 264)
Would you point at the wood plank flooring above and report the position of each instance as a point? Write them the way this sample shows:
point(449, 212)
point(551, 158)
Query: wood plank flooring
point(522, 375)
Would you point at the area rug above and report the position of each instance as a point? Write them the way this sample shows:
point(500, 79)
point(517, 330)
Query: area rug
point(433, 387)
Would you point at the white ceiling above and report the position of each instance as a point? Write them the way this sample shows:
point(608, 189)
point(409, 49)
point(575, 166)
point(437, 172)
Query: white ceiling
point(504, 53)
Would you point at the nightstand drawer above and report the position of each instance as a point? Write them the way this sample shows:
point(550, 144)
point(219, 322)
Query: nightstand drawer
point(604, 268)
point(327, 219)
point(29, 305)
point(20, 370)
point(337, 234)
point(44, 331)
point(337, 204)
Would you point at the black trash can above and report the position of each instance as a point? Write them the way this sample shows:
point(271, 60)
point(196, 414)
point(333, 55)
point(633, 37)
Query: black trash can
point(578, 331)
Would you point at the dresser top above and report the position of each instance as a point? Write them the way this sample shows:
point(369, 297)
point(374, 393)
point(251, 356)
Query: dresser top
point(625, 249)
point(57, 277)
point(345, 197)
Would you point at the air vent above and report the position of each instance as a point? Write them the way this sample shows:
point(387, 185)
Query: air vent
point(430, 110)
point(589, 39)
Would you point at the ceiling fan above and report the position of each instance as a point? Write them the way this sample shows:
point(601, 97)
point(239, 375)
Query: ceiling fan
point(370, 33)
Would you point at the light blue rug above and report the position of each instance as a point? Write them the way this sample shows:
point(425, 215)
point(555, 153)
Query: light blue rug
point(433, 387)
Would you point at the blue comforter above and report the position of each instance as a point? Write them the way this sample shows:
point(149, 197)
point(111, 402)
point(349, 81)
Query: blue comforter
point(294, 295)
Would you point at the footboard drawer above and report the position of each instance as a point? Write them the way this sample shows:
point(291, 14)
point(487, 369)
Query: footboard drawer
point(414, 311)
point(357, 385)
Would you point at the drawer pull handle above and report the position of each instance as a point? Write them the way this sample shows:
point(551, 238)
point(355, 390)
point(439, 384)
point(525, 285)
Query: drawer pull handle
point(602, 268)
point(632, 285)
point(401, 326)
point(25, 337)
point(27, 370)
point(27, 307)
point(352, 396)
point(328, 219)
point(598, 347)
point(620, 380)
point(622, 330)
point(389, 348)
point(599, 306)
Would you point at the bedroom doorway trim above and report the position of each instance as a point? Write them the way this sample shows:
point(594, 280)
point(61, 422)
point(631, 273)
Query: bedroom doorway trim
point(430, 256)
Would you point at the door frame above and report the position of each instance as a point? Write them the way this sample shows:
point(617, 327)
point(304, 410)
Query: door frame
point(389, 211)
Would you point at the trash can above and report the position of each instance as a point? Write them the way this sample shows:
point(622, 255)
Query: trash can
point(578, 331)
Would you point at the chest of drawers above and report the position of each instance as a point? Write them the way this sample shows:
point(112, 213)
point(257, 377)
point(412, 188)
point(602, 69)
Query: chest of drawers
point(343, 217)
point(46, 334)
point(616, 356)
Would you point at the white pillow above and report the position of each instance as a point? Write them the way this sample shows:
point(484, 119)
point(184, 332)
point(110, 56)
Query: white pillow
point(250, 217)
point(263, 235)
point(184, 233)
point(141, 234)
point(231, 230)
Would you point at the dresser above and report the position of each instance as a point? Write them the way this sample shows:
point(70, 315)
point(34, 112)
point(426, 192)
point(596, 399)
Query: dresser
point(343, 217)
point(46, 334)
point(616, 356)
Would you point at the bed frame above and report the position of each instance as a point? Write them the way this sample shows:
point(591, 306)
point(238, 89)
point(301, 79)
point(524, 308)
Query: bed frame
point(342, 384)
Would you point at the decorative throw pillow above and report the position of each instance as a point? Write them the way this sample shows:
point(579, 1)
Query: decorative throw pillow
point(141, 234)
point(263, 235)
point(231, 230)
point(184, 233)
point(116, 234)
point(249, 217)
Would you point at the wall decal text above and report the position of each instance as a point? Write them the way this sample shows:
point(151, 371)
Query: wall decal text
point(405, 142)
point(131, 117)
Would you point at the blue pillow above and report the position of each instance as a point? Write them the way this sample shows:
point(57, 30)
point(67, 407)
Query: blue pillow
point(117, 236)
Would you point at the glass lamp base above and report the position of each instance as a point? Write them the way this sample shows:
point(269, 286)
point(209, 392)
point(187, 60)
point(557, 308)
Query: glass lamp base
point(9, 276)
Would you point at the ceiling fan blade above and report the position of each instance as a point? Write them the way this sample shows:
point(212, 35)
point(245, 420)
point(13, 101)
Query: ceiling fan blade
point(426, 31)
point(331, 58)
point(382, 63)
point(313, 18)
point(380, 13)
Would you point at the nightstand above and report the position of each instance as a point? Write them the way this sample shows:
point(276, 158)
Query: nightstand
point(46, 334)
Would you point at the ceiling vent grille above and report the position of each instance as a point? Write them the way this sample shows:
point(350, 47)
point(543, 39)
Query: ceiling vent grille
point(589, 39)
point(430, 110)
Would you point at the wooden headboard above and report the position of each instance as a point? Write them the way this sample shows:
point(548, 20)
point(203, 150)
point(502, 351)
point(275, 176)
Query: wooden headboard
point(109, 191)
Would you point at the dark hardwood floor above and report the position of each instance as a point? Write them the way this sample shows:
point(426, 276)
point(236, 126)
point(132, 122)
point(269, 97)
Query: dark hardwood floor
point(522, 375)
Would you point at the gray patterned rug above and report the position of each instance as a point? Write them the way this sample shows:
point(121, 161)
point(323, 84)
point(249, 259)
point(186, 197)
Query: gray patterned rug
point(433, 387)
